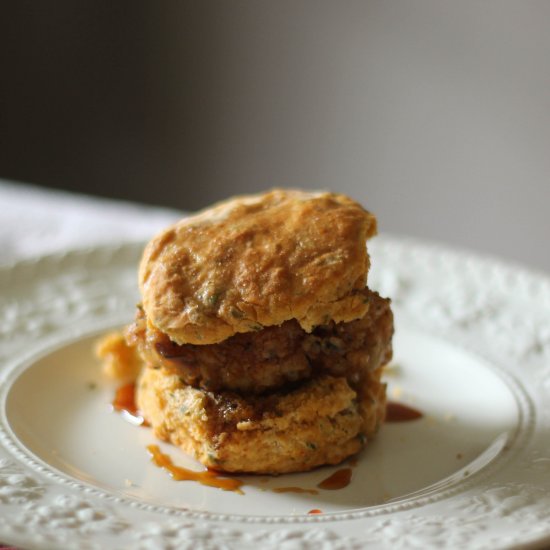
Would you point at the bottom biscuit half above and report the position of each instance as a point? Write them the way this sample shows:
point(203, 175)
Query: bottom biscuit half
point(321, 421)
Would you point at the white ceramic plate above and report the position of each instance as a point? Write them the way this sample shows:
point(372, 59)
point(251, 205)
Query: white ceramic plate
point(472, 352)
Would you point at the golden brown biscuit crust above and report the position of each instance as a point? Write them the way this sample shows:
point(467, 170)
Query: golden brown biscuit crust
point(257, 261)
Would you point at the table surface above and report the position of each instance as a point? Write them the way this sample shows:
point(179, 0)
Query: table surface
point(35, 222)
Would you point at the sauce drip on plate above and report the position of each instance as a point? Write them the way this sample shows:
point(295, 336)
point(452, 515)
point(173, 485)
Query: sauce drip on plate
point(338, 480)
point(210, 478)
point(124, 402)
point(397, 412)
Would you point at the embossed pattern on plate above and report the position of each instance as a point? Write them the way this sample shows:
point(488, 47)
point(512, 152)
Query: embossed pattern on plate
point(486, 323)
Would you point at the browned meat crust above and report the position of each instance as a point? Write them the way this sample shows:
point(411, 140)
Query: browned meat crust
point(274, 356)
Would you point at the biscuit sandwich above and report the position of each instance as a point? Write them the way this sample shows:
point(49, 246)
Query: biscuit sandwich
point(262, 346)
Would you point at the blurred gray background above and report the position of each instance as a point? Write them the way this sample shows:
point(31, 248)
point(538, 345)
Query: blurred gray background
point(434, 114)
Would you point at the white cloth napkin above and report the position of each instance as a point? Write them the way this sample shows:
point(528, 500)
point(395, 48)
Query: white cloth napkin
point(35, 221)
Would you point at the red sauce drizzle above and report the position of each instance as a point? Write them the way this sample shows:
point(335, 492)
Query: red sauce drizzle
point(315, 511)
point(338, 480)
point(207, 477)
point(295, 490)
point(397, 412)
point(124, 402)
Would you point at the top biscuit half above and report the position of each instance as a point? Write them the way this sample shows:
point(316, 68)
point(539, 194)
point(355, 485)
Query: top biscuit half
point(256, 261)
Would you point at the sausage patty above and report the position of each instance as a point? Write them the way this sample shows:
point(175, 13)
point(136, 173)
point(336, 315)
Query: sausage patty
point(274, 356)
